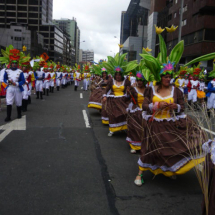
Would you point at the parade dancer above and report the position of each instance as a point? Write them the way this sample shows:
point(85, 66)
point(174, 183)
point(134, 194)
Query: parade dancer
point(47, 79)
point(25, 93)
point(77, 77)
point(211, 93)
point(39, 75)
point(14, 79)
point(58, 77)
point(172, 140)
point(85, 77)
point(193, 85)
point(31, 84)
point(201, 91)
point(186, 81)
point(134, 119)
point(52, 79)
point(64, 76)
point(180, 82)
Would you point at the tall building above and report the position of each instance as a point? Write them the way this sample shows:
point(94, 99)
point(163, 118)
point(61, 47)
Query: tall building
point(87, 56)
point(198, 27)
point(29, 23)
point(71, 28)
point(77, 45)
point(34, 13)
point(134, 28)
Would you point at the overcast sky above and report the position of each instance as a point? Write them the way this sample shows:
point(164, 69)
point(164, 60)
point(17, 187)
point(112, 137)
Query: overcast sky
point(98, 20)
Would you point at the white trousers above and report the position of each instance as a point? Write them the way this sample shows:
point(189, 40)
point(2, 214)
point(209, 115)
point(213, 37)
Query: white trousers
point(58, 82)
point(85, 84)
point(192, 95)
point(211, 101)
point(25, 93)
point(77, 83)
point(30, 88)
point(46, 85)
point(52, 83)
point(39, 85)
point(63, 81)
point(14, 94)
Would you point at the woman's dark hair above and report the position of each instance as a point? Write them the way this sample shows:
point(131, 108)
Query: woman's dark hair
point(106, 75)
point(120, 74)
point(144, 81)
point(159, 84)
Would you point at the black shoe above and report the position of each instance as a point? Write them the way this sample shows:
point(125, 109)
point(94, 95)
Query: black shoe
point(52, 89)
point(38, 95)
point(58, 88)
point(41, 95)
point(19, 112)
point(47, 92)
point(29, 100)
point(44, 92)
point(76, 88)
point(9, 110)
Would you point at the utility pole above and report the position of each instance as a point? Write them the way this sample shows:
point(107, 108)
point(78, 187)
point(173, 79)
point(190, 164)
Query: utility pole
point(180, 21)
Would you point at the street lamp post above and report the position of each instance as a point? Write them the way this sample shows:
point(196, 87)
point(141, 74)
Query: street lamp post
point(180, 21)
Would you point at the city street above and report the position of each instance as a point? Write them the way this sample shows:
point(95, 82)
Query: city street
point(61, 165)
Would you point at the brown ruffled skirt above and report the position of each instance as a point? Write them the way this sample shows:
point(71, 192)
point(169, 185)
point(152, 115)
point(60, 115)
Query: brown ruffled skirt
point(171, 147)
point(96, 99)
point(116, 109)
point(211, 188)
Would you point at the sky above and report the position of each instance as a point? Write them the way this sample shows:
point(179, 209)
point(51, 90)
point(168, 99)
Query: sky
point(98, 20)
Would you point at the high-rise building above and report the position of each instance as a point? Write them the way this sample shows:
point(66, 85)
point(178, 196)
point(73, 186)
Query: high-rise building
point(21, 18)
point(134, 28)
point(71, 28)
point(87, 56)
point(34, 13)
point(198, 27)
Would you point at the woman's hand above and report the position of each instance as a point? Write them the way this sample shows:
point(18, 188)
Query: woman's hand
point(163, 105)
point(104, 99)
point(173, 106)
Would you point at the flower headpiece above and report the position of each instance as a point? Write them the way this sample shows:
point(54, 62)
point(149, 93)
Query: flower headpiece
point(140, 76)
point(14, 55)
point(118, 69)
point(104, 69)
point(167, 68)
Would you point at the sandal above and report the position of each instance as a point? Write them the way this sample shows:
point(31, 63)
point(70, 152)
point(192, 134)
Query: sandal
point(139, 182)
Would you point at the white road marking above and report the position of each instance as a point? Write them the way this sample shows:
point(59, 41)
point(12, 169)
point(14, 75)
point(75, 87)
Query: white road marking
point(82, 88)
point(81, 95)
point(15, 125)
point(86, 119)
point(209, 131)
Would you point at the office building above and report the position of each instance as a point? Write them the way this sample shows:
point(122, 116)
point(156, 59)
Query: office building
point(87, 56)
point(71, 28)
point(133, 34)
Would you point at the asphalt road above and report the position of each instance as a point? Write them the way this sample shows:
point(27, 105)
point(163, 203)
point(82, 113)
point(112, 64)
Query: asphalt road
point(60, 167)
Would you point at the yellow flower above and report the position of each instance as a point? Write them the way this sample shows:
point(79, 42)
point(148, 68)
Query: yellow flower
point(147, 49)
point(159, 30)
point(24, 48)
point(120, 46)
point(172, 29)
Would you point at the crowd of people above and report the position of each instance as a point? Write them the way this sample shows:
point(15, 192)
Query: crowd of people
point(22, 75)
point(148, 100)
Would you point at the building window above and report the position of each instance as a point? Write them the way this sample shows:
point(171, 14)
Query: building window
point(175, 15)
point(176, 1)
point(184, 22)
point(18, 38)
point(185, 8)
point(19, 30)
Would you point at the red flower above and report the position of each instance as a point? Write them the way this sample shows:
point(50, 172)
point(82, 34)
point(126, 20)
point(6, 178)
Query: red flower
point(14, 54)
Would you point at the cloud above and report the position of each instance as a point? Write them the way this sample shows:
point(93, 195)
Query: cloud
point(98, 21)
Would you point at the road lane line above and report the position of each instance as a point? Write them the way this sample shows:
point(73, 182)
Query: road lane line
point(15, 125)
point(86, 119)
point(81, 95)
point(209, 131)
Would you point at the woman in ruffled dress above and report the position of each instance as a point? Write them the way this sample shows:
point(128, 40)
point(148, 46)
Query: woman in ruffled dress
point(134, 119)
point(172, 140)
point(116, 92)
